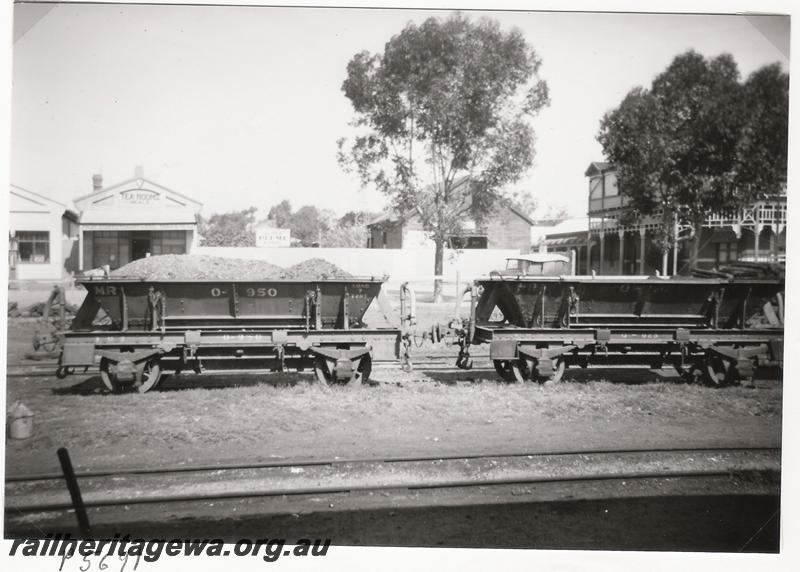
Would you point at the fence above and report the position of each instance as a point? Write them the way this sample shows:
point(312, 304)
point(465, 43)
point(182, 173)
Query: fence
point(407, 264)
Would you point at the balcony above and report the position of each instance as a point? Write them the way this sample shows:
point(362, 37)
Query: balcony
point(604, 204)
point(770, 212)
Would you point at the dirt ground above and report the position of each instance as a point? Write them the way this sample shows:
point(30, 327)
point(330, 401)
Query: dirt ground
point(211, 419)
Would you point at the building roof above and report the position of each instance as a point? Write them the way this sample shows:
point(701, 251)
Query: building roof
point(564, 241)
point(570, 225)
point(387, 216)
point(30, 195)
point(598, 167)
point(390, 216)
point(540, 257)
point(139, 182)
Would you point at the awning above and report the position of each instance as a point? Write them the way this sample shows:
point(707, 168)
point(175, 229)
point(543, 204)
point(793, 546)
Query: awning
point(567, 241)
point(151, 226)
point(133, 216)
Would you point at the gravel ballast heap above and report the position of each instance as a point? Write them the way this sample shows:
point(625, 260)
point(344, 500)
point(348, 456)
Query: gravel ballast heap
point(316, 269)
point(202, 267)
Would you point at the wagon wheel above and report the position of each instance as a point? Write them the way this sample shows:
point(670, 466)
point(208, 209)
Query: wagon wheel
point(720, 372)
point(691, 373)
point(361, 372)
point(503, 369)
point(559, 367)
point(109, 379)
point(323, 371)
point(521, 369)
point(148, 376)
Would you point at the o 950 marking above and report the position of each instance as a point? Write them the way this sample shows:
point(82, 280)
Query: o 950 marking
point(262, 292)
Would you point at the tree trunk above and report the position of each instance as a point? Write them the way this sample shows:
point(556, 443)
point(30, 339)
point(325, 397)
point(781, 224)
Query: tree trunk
point(438, 267)
point(695, 250)
point(698, 234)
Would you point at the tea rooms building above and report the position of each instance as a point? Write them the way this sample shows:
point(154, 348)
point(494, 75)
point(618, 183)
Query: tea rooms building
point(131, 220)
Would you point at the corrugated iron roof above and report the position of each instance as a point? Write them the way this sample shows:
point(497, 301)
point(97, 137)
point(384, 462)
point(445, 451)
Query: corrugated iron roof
point(597, 167)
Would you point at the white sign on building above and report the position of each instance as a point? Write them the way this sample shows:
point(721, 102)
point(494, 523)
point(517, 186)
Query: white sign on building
point(268, 237)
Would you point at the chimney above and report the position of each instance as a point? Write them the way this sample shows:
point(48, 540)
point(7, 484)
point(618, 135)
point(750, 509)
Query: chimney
point(138, 172)
point(97, 183)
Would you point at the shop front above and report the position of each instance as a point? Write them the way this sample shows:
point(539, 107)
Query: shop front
point(134, 219)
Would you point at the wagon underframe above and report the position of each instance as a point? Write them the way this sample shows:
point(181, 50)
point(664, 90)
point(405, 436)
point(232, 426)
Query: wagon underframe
point(140, 358)
point(722, 356)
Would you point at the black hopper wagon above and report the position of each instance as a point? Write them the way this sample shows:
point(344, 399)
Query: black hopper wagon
point(537, 326)
point(137, 330)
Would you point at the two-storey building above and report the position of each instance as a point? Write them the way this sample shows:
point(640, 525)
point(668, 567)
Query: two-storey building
point(755, 234)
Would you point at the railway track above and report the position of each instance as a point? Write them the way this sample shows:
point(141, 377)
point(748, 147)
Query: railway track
point(117, 488)
point(443, 364)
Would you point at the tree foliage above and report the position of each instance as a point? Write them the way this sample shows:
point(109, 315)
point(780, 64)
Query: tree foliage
point(442, 120)
point(698, 141)
point(281, 214)
point(233, 228)
point(763, 145)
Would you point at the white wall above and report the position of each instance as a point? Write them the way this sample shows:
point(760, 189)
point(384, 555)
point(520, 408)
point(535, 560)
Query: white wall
point(399, 264)
point(40, 222)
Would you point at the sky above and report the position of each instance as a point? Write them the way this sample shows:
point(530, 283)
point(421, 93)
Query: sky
point(242, 106)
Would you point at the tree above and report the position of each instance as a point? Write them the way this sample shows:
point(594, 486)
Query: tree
point(349, 231)
point(281, 214)
point(442, 121)
point(233, 228)
point(762, 151)
point(352, 218)
point(679, 147)
point(350, 236)
point(308, 225)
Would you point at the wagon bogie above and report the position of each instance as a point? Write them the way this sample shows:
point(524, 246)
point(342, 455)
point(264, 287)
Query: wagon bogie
point(719, 357)
point(140, 370)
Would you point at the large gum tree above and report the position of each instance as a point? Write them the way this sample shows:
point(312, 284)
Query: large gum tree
point(442, 121)
point(698, 142)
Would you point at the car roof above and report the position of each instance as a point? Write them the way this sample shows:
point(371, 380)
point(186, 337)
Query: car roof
point(540, 257)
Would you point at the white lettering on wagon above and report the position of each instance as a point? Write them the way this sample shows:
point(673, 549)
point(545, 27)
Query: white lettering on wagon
point(105, 290)
point(260, 292)
point(641, 335)
point(242, 337)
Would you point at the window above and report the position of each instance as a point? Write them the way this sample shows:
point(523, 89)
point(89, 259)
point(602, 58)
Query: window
point(611, 188)
point(596, 188)
point(34, 247)
point(727, 252)
point(468, 242)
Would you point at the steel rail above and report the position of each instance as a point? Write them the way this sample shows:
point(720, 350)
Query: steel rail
point(451, 484)
point(288, 463)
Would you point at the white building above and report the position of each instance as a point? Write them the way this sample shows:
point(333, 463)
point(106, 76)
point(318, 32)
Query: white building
point(267, 236)
point(42, 237)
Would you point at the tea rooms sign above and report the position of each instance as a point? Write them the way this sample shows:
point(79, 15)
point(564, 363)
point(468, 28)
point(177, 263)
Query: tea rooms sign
point(141, 197)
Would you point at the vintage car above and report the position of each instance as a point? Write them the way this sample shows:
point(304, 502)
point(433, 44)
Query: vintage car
point(537, 264)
